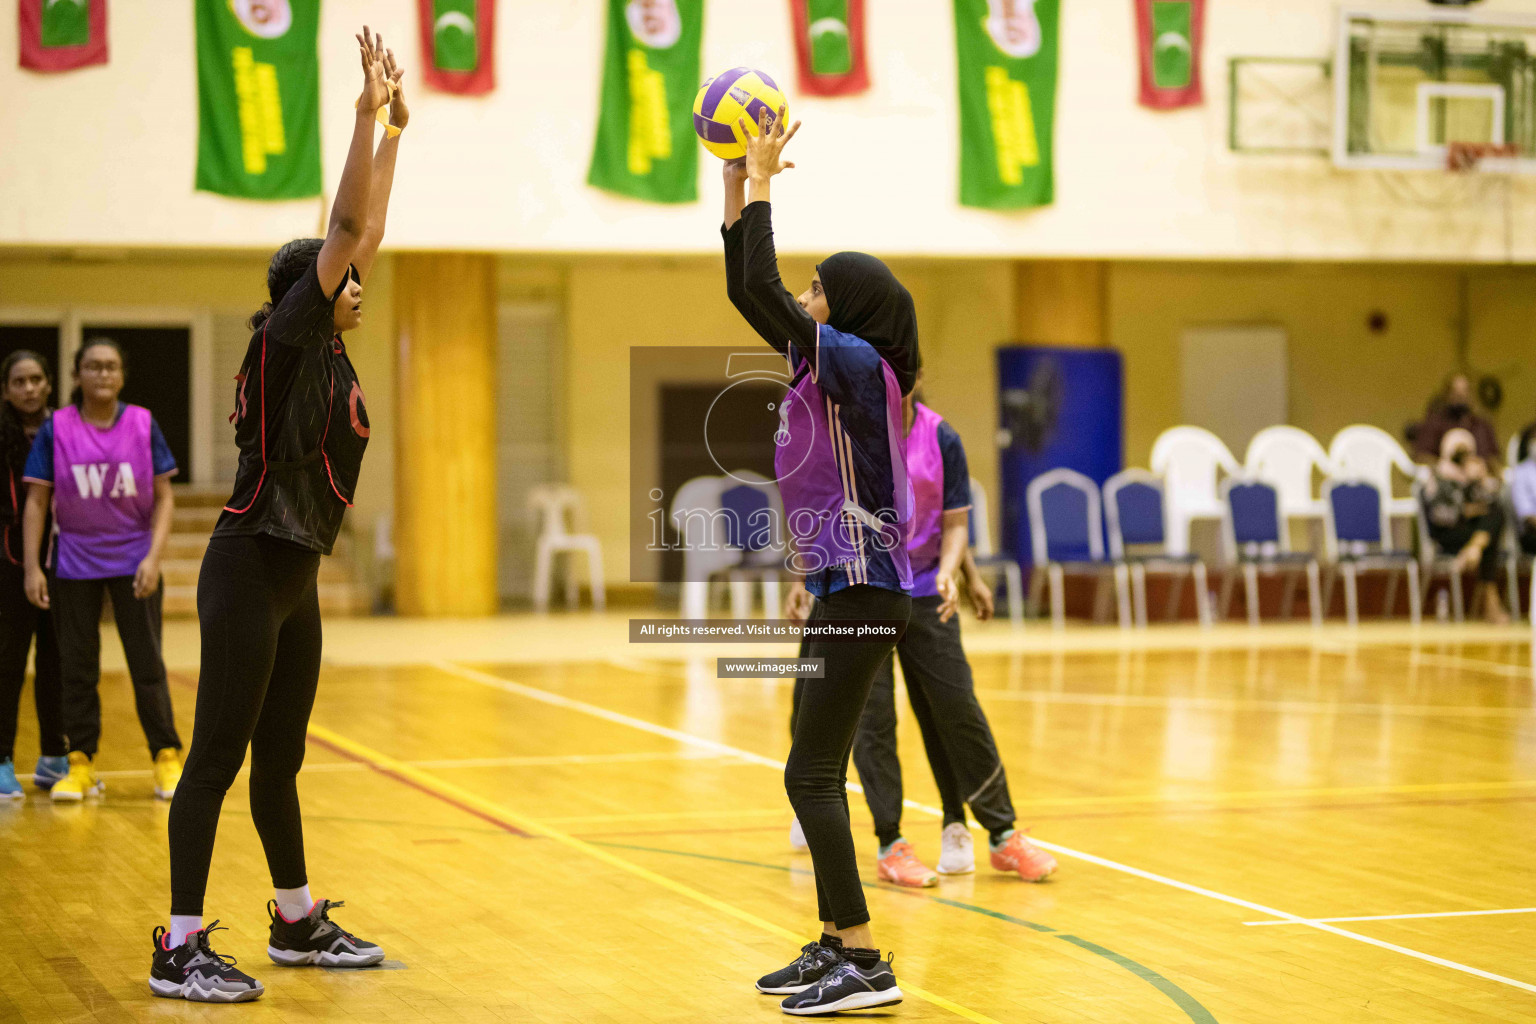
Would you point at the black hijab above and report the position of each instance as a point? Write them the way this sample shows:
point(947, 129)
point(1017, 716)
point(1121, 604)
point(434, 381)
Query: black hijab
point(867, 301)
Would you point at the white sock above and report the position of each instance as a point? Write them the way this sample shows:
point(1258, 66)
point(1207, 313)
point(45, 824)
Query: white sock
point(181, 927)
point(294, 904)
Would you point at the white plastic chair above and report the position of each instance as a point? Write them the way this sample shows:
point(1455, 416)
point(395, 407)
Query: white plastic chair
point(1364, 452)
point(1190, 460)
point(985, 553)
point(554, 503)
point(1286, 456)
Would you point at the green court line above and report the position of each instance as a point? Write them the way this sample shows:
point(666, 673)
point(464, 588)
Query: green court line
point(1183, 1000)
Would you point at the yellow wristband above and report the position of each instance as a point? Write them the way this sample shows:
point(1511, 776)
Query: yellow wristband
point(390, 131)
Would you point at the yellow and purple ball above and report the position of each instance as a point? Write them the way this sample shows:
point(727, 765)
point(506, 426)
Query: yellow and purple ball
point(739, 94)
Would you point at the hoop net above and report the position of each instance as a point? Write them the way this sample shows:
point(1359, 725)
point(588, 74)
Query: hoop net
point(1465, 157)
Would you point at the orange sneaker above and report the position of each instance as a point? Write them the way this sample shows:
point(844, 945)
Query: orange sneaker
point(1017, 853)
point(900, 865)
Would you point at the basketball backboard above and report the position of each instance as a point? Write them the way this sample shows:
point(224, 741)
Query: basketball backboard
point(1416, 82)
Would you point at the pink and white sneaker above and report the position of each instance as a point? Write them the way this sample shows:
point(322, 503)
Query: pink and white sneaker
point(1018, 854)
point(900, 865)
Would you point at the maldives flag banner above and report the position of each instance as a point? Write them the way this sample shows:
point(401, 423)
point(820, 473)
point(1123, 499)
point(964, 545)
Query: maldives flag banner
point(1006, 52)
point(258, 98)
point(829, 47)
point(61, 35)
point(645, 145)
point(458, 39)
point(1168, 34)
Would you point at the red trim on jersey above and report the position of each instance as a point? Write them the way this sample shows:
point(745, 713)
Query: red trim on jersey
point(10, 477)
point(263, 478)
point(330, 402)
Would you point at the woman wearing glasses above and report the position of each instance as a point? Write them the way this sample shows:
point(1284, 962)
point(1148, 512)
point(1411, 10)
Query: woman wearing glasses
point(105, 468)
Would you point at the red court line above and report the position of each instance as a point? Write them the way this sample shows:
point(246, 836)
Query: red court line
point(312, 738)
point(445, 798)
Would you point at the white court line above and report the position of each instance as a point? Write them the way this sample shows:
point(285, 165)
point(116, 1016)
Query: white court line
point(569, 703)
point(1133, 700)
point(1406, 917)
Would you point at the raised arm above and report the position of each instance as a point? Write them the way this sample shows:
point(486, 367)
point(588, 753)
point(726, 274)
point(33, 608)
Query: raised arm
point(731, 230)
point(383, 169)
point(349, 214)
point(761, 280)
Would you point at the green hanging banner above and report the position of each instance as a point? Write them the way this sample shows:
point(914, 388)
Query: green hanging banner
point(1007, 63)
point(258, 98)
point(645, 143)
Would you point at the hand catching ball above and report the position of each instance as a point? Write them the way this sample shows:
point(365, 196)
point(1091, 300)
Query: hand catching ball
point(739, 94)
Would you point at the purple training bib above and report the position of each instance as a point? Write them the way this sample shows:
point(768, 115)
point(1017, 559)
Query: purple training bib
point(925, 465)
point(103, 493)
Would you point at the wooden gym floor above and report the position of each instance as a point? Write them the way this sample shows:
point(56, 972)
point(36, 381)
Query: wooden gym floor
point(541, 823)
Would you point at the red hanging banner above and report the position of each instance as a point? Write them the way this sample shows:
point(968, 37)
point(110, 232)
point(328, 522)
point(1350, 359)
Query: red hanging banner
point(61, 35)
point(458, 40)
point(1169, 34)
point(829, 47)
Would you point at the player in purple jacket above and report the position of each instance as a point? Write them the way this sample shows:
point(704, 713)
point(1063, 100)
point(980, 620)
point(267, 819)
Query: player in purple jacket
point(851, 343)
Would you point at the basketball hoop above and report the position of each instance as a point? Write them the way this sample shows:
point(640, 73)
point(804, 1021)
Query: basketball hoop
point(1465, 157)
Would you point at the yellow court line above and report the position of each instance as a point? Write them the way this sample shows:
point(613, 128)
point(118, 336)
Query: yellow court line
point(460, 795)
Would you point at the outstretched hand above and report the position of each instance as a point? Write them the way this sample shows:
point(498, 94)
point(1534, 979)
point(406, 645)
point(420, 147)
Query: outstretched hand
point(399, 114)
point(765, 150)
point(375, 83)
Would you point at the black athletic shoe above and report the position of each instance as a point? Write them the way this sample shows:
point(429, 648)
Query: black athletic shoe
point(194, 971)
point(316, 939)
point(815, 960)
point(859, 980)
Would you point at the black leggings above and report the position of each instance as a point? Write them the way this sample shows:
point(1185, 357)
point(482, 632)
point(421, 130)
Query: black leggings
point(956, 735)
point(816, 774)
point(20, 621)
point(259, 611)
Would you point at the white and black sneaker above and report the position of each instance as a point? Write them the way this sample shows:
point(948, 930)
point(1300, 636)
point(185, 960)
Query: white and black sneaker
point(194, 971)
point(858, 981)
point(316, 939)
point(814, 961)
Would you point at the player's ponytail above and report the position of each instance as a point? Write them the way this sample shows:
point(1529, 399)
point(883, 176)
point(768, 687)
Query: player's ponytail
point(289, 264)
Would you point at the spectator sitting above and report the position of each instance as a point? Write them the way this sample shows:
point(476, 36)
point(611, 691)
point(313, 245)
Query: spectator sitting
point(1465, 520)
point(1522, 492)
point(1452, 410)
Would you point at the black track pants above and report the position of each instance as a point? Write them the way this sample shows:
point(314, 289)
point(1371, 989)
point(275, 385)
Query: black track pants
point(77, 622)
point(20, 621)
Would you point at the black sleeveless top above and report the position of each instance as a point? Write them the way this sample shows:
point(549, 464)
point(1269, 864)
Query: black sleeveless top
point(301, 424)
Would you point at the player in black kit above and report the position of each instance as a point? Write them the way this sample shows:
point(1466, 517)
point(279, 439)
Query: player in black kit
point(301, 425)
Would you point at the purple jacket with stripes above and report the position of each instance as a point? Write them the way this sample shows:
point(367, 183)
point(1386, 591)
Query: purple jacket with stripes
point(841, 464)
